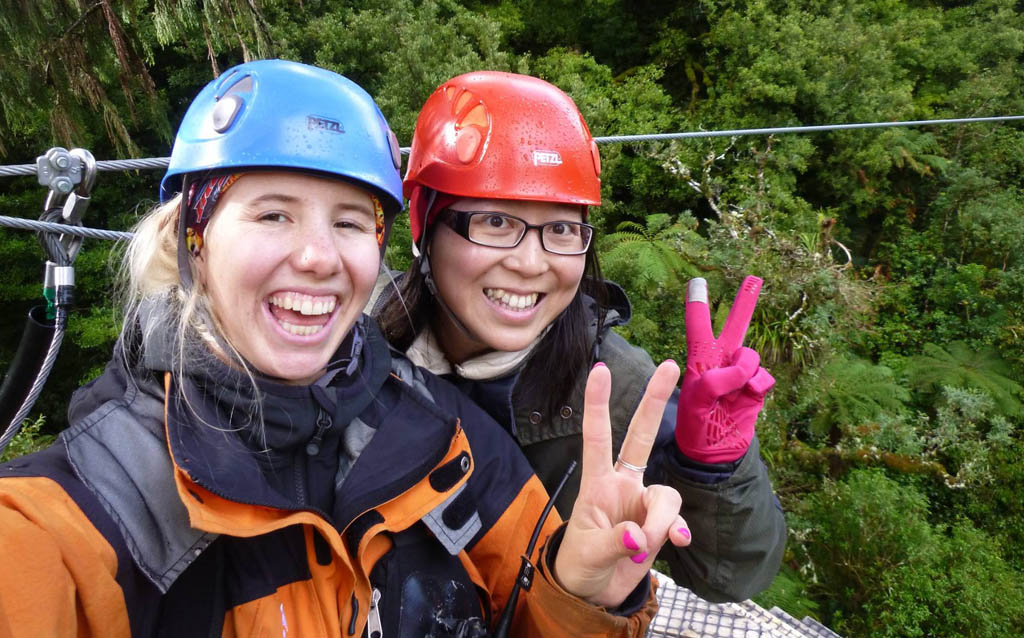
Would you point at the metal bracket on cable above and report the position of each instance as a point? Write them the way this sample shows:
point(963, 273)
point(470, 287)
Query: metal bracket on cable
point(69, 176)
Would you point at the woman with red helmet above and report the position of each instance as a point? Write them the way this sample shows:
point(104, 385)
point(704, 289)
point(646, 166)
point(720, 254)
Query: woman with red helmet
point(516, 319)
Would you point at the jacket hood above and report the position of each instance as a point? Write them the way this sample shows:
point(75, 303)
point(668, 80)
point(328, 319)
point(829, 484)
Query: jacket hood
point(617, 309)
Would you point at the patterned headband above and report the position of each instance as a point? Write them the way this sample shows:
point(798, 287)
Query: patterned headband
point(202, 201)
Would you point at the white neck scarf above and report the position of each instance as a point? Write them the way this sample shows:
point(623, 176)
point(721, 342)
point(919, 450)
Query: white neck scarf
point(426, 353)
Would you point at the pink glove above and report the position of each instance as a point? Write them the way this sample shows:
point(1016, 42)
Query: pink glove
point(724, 386)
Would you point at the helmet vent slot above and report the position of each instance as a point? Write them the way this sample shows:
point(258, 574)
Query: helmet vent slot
point(243, 85)
point(225, 80)
point(476, 117)
point(463, 99)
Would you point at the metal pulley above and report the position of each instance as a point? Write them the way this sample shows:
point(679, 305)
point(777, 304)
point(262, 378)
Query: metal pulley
point(58, 170)
point(69, 176)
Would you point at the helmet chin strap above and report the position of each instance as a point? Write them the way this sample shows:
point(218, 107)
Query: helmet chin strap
point(423, 252)
point(184, 267)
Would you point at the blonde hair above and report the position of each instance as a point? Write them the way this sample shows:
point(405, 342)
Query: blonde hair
point(156, 304)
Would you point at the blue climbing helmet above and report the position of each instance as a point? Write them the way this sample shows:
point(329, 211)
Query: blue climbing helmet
point(281, 114)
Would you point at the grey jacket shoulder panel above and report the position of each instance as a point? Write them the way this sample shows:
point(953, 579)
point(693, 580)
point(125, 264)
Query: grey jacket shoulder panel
point(119, 451)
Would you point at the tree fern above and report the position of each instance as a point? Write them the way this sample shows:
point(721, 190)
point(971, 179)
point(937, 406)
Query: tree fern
point(647, 255)
point(959, 365)
point(848, 392)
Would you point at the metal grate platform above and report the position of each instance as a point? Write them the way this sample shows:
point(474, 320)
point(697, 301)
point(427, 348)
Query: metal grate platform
point(685, 615)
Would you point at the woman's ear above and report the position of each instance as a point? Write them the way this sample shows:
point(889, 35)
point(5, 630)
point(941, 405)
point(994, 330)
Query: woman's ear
point(199, 267)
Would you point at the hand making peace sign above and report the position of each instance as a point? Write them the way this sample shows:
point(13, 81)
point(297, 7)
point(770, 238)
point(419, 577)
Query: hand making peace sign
point(724, 386)
point(617, 524)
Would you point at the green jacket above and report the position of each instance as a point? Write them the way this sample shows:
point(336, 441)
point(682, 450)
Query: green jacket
point(738, 527)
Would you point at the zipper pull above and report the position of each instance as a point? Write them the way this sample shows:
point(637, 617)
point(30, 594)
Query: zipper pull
point(373, 628)
point(323, 423)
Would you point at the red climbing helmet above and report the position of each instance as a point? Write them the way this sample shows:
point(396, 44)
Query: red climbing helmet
point(499, 135)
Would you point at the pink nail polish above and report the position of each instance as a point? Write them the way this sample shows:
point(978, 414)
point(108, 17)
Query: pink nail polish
point(685, 532)
point(599, 364)
point(639, 558)
point(628, 541)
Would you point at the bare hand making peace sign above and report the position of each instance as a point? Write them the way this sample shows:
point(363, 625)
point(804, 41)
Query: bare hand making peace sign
point(618, 524)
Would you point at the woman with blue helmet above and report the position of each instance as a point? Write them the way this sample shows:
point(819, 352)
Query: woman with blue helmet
point(254, 461)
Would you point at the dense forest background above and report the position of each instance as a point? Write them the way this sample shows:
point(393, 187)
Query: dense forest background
point(893, 308)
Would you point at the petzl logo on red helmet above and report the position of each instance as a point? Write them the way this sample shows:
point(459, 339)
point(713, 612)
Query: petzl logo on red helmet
point(324, 124)
point(547, 158)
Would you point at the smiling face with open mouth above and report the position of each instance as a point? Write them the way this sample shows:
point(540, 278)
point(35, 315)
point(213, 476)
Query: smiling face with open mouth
point(288, 262)
point(505, 297)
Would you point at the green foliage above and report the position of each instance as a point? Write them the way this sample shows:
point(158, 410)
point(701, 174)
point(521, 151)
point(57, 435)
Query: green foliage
point(860, 529)
point(753, 230)
point(29, 439)
point(439, 39)
point(964, 589)
point(644, 258)
point(996, 507)
point(965, 432)
point(1009, 293)
point(655, 260)
point(961, 365)
point(884, 570)
point(847, 394)
point(788, 592)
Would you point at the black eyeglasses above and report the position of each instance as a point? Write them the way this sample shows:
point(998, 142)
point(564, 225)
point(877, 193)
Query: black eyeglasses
point(500, 230)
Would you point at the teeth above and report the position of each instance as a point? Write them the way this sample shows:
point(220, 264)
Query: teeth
point(301, 331)
point(515, 302)
point(304, 304)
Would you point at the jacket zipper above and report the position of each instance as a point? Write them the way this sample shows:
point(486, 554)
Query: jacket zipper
point(323, 423)
point(373, 626)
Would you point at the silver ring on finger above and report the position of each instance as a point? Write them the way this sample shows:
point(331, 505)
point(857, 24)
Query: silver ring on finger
point(629, 466)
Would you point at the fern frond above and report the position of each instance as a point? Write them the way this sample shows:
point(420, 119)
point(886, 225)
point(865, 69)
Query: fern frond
point(960, 365)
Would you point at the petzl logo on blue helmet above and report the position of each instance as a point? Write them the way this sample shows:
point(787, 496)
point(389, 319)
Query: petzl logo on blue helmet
point(324, 124)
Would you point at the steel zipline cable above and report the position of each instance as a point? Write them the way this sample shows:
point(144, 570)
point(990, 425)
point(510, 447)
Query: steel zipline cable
point(624, 139)
point(162, 162)
point(37, 385)
point(13, 170)
point(64, 229)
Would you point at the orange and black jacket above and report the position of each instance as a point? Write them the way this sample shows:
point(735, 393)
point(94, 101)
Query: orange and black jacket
point(167, 517)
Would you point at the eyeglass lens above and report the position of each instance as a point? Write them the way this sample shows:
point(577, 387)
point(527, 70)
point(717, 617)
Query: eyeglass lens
point(504, 231)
